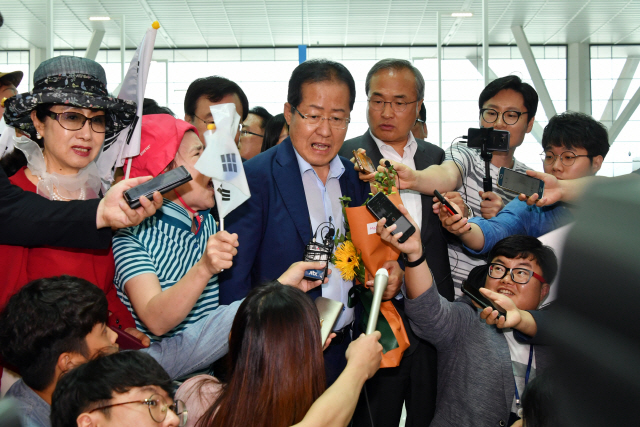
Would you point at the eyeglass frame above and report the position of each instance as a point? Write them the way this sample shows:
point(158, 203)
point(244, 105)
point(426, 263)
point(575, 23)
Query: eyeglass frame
point(147, 402)
point(510, 271)
point(213, 123)
point(543, 155)
point(347, 120)
point(519, 113)
point(56, 116)
point(242, 132)
point(384, 104)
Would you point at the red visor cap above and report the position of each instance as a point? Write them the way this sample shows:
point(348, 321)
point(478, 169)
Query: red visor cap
point(161, 136)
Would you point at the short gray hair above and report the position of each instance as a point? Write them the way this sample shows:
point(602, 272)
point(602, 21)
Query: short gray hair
point(396, 64)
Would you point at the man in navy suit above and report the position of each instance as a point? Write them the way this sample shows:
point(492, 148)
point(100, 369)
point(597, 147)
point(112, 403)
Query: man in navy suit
point(395, 92)
point(295, 190)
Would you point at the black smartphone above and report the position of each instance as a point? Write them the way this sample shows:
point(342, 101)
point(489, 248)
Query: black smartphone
point(381, 207)
point(162, 183)
point(516, 182)
point(444, 202)
point(481, 300)
point(489, 138)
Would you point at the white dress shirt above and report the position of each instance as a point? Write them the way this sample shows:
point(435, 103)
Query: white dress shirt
point(410, 199)
point(323, 202)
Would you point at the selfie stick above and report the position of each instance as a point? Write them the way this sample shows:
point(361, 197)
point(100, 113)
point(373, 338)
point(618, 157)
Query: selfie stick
point(379, 286)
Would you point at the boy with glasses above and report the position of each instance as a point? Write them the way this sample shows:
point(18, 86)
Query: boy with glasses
point(482, 371)
point(575, 146)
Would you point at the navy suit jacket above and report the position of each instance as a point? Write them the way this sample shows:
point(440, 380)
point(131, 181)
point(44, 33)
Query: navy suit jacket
point(431, 232)
point(273, 226)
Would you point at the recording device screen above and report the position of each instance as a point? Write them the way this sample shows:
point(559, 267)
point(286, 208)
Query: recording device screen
point(488, 138)
point(519, 183)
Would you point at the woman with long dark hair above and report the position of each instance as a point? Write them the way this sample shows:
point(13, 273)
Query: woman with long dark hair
point(277, 369)
point(276, 130)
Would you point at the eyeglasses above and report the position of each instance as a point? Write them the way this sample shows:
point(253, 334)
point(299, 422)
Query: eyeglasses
point(71, 120)
point(212, 122)
point(567, 158)
point(397, 106)
point(420, 121)
point(510, 117)
point(158, 408)
point(334, 122)
point(518, 275)
point(247, 133)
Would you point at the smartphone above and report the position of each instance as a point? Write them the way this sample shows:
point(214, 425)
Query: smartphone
point(381, 207)
point(444, 202)
point(364, 162)
point(516, 182)
point(481, 300)
point(329, 311)
point(162, 183)
point(489, 138)
point(126, 341)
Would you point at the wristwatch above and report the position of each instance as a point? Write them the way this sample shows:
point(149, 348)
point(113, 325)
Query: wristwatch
point(417, 262)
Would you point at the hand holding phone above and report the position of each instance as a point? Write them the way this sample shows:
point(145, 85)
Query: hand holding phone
point(381, 207)
point(162, 183)
point(520, 183)
point(364, 162)
point(481, 300)
point(445, 203)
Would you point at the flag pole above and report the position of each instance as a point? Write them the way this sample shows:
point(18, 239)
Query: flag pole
point(126, 175)
point(222, 224)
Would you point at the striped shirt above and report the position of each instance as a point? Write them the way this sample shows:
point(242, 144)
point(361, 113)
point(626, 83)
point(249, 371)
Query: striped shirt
point(472, 169)
point(164, 245)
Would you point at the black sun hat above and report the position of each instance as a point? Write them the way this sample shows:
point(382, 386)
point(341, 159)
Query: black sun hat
point(68, 80)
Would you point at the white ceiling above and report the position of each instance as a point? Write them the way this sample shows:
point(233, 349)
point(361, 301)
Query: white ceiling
point(282, 23)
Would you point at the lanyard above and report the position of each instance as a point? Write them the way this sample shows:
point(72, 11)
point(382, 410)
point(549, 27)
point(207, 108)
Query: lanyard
point(526, 380)
point(196, 217)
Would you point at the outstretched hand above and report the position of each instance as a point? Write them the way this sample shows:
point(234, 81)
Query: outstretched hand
point(491, 204)
point(412, 245)
point(491, 316)
point(294, 276)
point(454, 224)
point(552, 190)
point(365, 353)
point(114, 212)
point(407, 177)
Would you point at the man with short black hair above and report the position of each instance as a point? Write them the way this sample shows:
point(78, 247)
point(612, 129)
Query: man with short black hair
point(53, 325)
point(395, 92)
point(207, 91)
point(482, 371)
point(252, 133)
point(128, 388)
point(8, 87)
point(295, 188)
point(575, 146)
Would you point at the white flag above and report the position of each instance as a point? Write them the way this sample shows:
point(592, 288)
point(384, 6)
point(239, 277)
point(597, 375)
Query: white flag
point(221, 160)
point(126, 143)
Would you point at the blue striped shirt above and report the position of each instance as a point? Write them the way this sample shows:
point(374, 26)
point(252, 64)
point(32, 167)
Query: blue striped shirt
point(165, 246)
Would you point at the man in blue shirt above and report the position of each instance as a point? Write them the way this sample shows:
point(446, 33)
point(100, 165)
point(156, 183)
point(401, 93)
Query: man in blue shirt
point(575, 146)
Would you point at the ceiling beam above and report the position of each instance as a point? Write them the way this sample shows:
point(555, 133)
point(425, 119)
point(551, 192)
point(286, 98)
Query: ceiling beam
point(384, 32)
point(606, 23)
point(346, 27)
point(94, 44)
point(620, 89)
point(535, 15)
point(195, 24)
point(152, 17)
point(266, 15)
point(44, 25)
point(624, 117)
point(575, 15)
point(424, 9)
point(534, 71)
point(457, 23)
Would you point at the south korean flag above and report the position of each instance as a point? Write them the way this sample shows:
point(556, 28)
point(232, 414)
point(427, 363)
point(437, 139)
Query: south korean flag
point(221, 160)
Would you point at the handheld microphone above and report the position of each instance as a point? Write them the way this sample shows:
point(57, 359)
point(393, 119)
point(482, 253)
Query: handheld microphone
point(379, 286)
